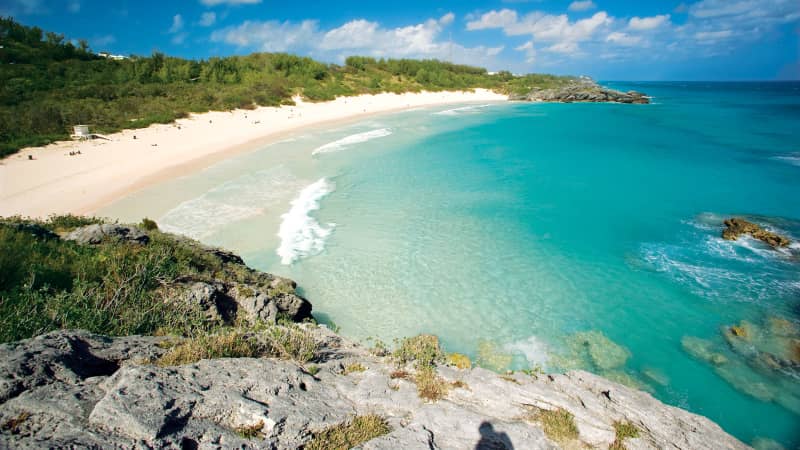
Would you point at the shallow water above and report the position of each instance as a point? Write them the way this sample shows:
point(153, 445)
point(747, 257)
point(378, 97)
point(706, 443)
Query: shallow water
point(560, 235)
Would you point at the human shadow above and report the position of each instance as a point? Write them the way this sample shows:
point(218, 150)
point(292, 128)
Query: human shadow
point(492, 440)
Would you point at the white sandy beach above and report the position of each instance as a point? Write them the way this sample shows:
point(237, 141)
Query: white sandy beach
point(105, 170)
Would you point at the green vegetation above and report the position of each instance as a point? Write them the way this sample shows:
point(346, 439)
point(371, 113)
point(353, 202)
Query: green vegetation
point(47, 84)
point(459, 360)
point(558, 424)
point(13, 424)
point(423, 350)
point(353, 368)
point(230, 344)
point(430, 386)
point(349, 434)
point(251, 431)
point(623, 430)
point(47, 283)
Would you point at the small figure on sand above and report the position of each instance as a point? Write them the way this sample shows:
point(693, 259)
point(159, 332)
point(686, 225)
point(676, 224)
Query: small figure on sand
point(30, 157)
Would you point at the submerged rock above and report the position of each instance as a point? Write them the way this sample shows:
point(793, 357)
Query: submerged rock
point(736, 226)
point(703, 350)
point(72, 389)
point(604, 353)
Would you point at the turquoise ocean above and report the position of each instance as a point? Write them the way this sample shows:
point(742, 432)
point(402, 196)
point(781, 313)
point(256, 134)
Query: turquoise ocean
point(561, 236)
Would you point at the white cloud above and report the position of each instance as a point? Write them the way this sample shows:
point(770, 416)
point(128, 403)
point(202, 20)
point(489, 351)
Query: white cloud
point(229, 2)
point(625, 39)
point(356, 37)
point(179, 38)
point(530, 51)
point(447, 19)
point(584, 5)
point(648, 23)
point(177, 24)
point(269, 36)
point(74, 7)
point(564, 47)
point(494, 19)
point(208, 18)
point(713, 35)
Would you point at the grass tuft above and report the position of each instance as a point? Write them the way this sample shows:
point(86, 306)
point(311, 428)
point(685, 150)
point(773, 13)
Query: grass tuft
point(623, 430)
point(232, 344)
point(430, 386)
point(558, 424)
point(349, 434)
point(354, 367)
point(250, 431)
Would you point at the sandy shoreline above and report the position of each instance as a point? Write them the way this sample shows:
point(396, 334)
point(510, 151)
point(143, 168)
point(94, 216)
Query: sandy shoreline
point(106, 170)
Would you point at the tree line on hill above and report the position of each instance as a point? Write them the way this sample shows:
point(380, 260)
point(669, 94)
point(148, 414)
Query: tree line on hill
point(48, 84)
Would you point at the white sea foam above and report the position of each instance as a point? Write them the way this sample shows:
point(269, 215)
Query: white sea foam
point(301, 235)
point(344, 142)
point(793, 159)
point(238, 199)
point(460, 110)
point(535, 351)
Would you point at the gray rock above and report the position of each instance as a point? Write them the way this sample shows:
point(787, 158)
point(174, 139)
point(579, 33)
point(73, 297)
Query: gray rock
point(97, 233)
point(81, 390)
point(583, 91)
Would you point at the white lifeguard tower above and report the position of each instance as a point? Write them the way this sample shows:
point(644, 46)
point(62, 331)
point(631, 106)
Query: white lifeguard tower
point(81, 132)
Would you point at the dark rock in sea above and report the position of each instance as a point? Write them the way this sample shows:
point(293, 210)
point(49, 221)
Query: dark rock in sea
point(97, 233)
point(582, 91)
point(736, 226)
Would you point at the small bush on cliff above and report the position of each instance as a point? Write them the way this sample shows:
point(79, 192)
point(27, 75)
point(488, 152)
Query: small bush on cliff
point(423, 350)
point(349, 434)
point(148, 224)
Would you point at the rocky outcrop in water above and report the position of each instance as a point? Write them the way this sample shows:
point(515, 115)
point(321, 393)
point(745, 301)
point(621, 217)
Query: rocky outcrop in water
point(71, 389)
point(736, 227)
point(582, 91)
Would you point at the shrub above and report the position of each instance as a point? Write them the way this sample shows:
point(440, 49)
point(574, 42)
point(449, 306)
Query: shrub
point(149, 224)
point(349, 434)
point(291, 342)
point(423, 350)
point(250, 431)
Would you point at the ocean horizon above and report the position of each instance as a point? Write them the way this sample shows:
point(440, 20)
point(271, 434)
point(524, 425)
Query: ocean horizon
point(532, 235)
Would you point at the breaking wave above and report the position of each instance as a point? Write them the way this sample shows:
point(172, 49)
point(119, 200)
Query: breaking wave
point(358, 138)
point(301, 235)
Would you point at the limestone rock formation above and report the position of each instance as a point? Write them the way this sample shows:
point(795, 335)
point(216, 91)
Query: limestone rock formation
point(736, 226)
point(75, 389)
point(97, 233)
point(582, 91)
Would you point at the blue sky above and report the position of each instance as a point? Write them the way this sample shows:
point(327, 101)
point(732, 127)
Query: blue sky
point(605, 39)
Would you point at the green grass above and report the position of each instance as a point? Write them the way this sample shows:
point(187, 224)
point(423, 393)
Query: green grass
point(349, 434)
point(558, 424)
point(114, 288)
point(354, 368)
point(622, 431)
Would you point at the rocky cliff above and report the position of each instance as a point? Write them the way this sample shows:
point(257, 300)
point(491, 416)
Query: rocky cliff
point(582, 91)
point(259, 379)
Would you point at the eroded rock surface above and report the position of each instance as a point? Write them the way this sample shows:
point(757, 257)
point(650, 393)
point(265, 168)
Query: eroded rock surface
point(736, 227)
point(75, 389)
point(582, 91)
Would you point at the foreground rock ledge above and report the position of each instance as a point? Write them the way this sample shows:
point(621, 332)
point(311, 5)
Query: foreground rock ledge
point(71, 389)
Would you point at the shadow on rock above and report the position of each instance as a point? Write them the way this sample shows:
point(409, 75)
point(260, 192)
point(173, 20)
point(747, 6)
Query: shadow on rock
point(492, 440)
